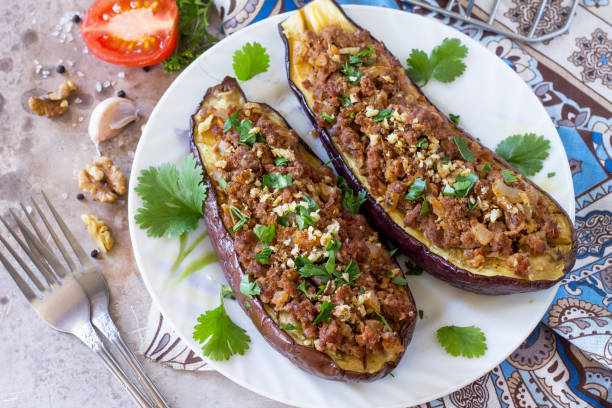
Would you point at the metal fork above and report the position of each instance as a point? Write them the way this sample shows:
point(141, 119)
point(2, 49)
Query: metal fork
point(59, 299)
point(91, 279)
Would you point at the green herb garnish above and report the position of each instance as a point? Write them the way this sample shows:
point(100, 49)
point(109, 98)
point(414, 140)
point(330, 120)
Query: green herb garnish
point(248, 288)
point(463, 147)
point(277, 180)
point(264, 255)
point(525, 152)
point(466, 341)
point(444, 62)
point(509, 176)
point(486, 168)
point(382, 115)
point(250, 60)
point(290, 326)
point(328, 118)
point(325, 313)
point(280, 161)
point(454, 118)
point(265, 233)
point(416, 189)
point(240, 219)
point(351, 202)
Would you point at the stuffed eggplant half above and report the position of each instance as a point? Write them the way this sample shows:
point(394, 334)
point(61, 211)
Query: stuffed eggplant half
point(324, 295)
point(461, 212)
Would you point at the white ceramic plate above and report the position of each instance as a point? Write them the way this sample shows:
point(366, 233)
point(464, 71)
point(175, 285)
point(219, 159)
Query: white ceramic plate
point(493, 103)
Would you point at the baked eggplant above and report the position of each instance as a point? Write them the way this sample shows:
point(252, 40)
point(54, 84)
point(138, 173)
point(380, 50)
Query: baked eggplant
point(452, 205)
point(329, 296)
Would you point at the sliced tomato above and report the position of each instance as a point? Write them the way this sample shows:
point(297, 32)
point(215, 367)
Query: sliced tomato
point(132, 33)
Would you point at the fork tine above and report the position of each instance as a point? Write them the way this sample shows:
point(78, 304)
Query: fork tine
point(56, 239)
point(34, 226)
point(42, 267)
point(25, 267)
point(76, 247)
point(44, 252)
point(25, 289)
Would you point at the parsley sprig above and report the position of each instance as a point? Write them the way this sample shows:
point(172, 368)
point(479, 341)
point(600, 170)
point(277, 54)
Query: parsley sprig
point(173, 199)
point(444, 63)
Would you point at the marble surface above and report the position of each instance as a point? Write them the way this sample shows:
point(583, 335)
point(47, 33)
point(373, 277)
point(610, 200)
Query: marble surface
point(40, 367)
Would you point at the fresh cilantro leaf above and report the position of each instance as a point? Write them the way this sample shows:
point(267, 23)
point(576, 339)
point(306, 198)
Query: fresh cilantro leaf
point(388, 272)
point(509, 176)
point(248, 134)
point(421, 313)
point(352, 115)
point(325, 313)
point(551, 174)
point(486, 168)
point(393, 252)
point(342, 182)
point(444, 62)
point(247, 304)
point(416, 189)
point(351, 202)
point(352, 74)
point(383, 320)
point(248, 288)
point(350, 274)
point(172, 199)
point(472, 205)
point(328, 118)
point(356, 58)
point(321, 290)
point(249, 61)
point(422, 143)
point(525, 152)
point(400, 280)
point(220, 337)
point(419, 67)
point(448, 190)
point(303, 217)
point(277, 180)
point(263, 256)
point(239, 220)
point(280, 161)
point(424, 207)
point(193, 35)
point(227, 292)
point(466, 341)
point(382, 115)
point(463, 147)
point(282, 219)
point(464, 184)
point(302, 288)
point(231, 121)
point(290, 326)
point(332, 249)
point(307, 269)
point(446, 159)
point(312, 204)
point(346, 101)
point(454, 118)
point(222, 183)
point(265, 233)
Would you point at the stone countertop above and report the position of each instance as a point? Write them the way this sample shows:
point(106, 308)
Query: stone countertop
point(41, 367)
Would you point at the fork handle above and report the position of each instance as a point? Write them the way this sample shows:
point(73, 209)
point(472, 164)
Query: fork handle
point(136, 367)
point(88, 335)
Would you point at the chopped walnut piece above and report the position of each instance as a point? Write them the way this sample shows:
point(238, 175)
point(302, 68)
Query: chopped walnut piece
point(53, 104)
point(103, 180)
point(99, 231)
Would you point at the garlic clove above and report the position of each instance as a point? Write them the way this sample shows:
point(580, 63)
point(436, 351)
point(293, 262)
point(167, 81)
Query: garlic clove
point(109, 117)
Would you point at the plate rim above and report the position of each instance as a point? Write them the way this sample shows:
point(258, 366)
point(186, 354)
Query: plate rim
point(132, 199)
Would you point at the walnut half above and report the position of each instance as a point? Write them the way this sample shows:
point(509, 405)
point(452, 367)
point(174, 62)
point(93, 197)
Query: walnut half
point(53, 104)
point(99, 231)
point(103, 180)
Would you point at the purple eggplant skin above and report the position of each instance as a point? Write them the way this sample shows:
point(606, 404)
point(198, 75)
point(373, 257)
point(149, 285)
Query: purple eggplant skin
point(432, 263)
point(306, 358)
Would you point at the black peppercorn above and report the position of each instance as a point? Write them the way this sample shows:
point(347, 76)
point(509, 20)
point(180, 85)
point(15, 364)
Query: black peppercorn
point(121, 94)
point(80, 196)
point(76, 18)
point(60, 69)
point(94, 253)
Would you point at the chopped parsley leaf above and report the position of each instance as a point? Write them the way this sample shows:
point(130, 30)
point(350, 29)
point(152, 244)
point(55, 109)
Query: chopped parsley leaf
point(342, 182)
point(356, 58)
point(277, 180)
point(486, 168)
point(227, 292)
point(352, 74)
point(328, 118)
point(222, 183)
point(231, 121)
point(307, 269)
point(464, 184)
point(242, 219)
point(388, 272)
point(509, 176)
point(454, 118)
point(265, 233)
point(424, 207)
point(416, 189)
point(399, 280)
point(448, 190)
point(312, 204)
point(383, 320)
point(472, 205)
point(346, 101)
point(463, 146)
point(325, 313)
point(350, 274)
point(422, 143)
point(332, 249)
point(302, 288)
point(352, 115)
point(421, 313)
point(248, 288)
point(247, 136)
point(415, 270)
point(393, 252)
point(290, 326)
point(263, 256)
point(551, 174)
point(351, 202)
point(446, 159)
point(280, 161)
point(282, 219)
point(303, 217)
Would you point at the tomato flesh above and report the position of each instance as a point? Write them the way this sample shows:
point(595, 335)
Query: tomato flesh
point(132, 33)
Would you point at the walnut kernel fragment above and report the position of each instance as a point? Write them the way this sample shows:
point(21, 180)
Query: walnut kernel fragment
point(53, 104)
point(99, 232)
point(103, 180)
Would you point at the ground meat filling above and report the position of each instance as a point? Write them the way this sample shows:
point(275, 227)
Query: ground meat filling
point(399, 141)
point(367, 309)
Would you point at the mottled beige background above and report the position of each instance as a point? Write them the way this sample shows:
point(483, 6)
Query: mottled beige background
point(40, 367)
